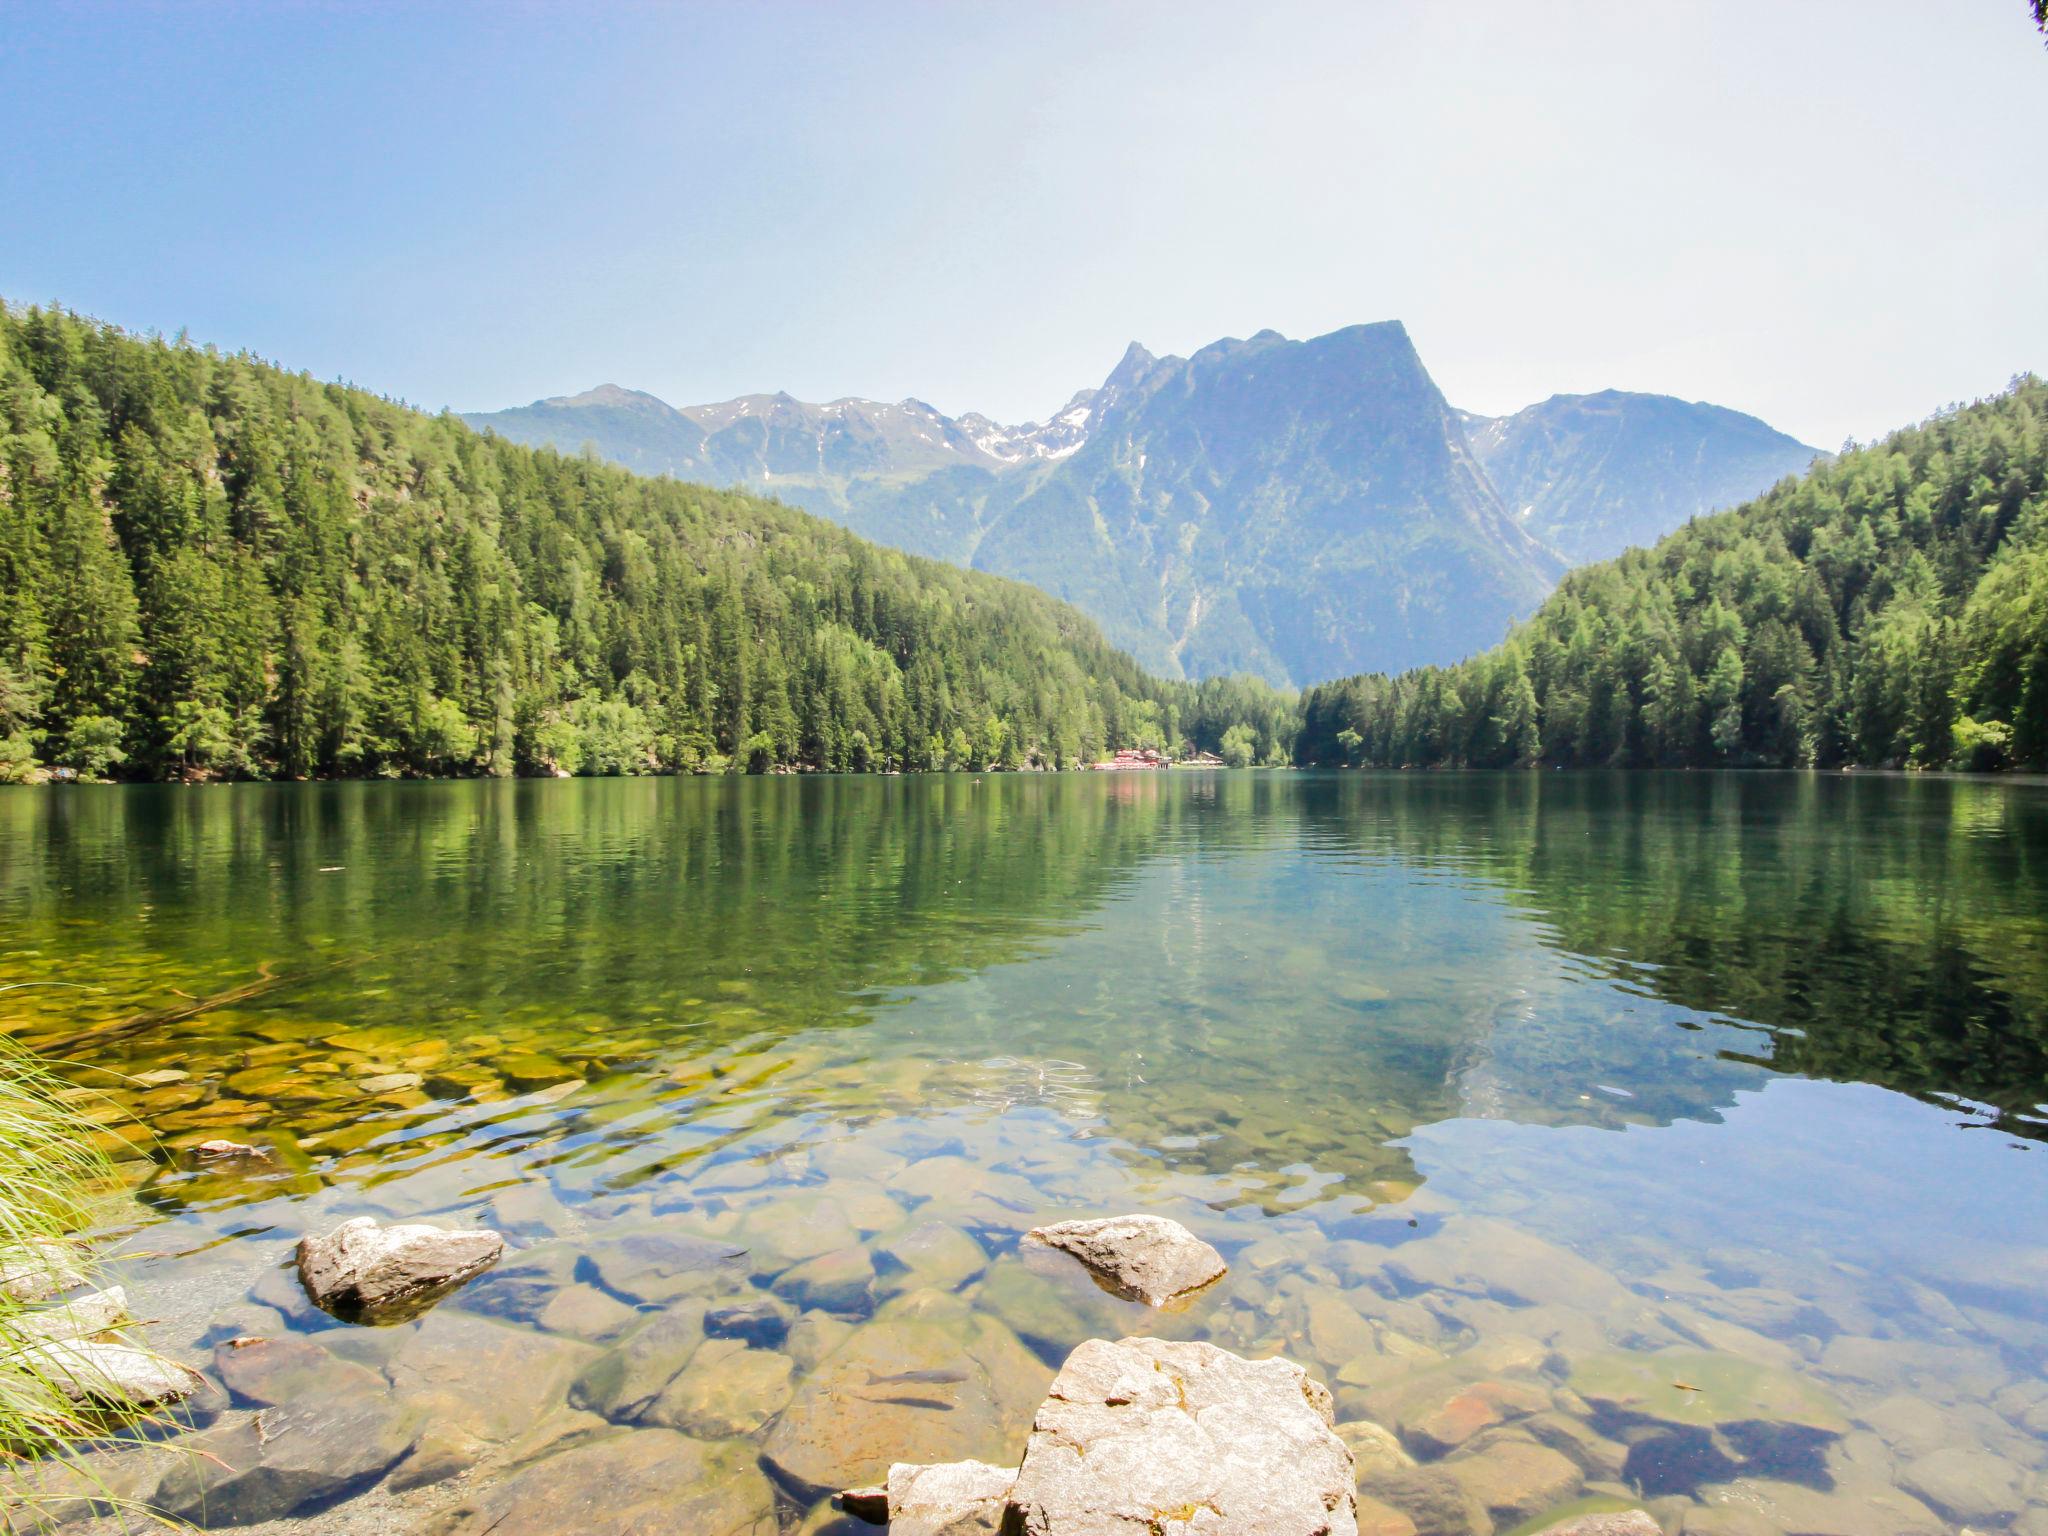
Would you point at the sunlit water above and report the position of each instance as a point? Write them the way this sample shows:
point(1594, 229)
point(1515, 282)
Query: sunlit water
point(1670, 1140)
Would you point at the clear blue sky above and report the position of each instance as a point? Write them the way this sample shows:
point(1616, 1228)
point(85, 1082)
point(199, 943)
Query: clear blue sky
point(1833, 213)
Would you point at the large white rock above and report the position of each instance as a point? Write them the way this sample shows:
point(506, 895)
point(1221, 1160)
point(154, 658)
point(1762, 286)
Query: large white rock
point(1146, 1258)
point(363, 1272)
point(952, 1498)
point(1179, 1439)
point(95, 1373)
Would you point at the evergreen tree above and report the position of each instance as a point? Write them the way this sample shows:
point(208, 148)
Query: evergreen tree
point(1890, 609)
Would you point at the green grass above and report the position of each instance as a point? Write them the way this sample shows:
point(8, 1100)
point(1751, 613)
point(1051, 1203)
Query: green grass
point(53, 1182)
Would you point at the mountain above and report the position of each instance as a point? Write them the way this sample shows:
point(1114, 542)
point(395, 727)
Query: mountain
point(1889, 609)
point(212, 568)
point(1284, 508)
point(1295, 509)
point(1591, 475)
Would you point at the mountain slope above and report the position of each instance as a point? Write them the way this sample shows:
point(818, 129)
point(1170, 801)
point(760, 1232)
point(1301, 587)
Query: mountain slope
point(1287, 508)
point(1891, 608)
point(1591, 475)
point(1297, 509)
point(210, 567)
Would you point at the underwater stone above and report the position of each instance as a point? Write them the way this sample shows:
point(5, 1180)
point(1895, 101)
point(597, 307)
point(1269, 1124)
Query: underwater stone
point(760, 1320)
point(933, 1253)
point(626, 1485)
point(840, 1281)
point(1631, 1522)
point(725, 1391)
point(654, 1267)
point(1515, 1479)
point(1374, 1448)
point(288, 1458)
point(1968, 1484)
point(483, 1377)
point(270, 1372)
point(624, 1381)
point(926, 1377)
point(585, 1312)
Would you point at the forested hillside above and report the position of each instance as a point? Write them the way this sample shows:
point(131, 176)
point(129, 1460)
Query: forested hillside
point(1890, 608)
point(210, 567)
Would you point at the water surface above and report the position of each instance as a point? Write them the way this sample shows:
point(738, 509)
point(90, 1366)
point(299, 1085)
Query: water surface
point(1669, 1139)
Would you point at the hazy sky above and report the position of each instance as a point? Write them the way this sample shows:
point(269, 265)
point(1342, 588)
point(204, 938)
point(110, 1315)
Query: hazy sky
point(1833, 213)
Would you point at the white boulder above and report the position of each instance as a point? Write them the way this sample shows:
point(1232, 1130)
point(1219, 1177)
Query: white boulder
point(952, 1498)
point(362, 1272)
point(1182, 1438)
point(1145, 1258)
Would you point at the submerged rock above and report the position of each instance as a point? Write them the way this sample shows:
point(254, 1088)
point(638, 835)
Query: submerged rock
point(1631, 1522)
point(1968, 1484)
point(288, 1459)
point(110, 1375)
point(869, 1503)
point(361, 1272)
point(585, 1312)
point(1699, 1388)
point(1515, 1480)
point(760, 1320)
point(727, 1390)
point(1434, 1502)
point(654, 1267)
point(631, 1484)
point(1144, 1432)
point(270, 1372)
point(926, 1377)
point(932, 1253)
point(488, 1381)
point(1146, 1258)
point(1374, 1449)
point(839, 1281)
point(624, 1381)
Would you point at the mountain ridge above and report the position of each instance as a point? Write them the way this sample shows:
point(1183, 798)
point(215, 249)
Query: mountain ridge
point(1299, 509)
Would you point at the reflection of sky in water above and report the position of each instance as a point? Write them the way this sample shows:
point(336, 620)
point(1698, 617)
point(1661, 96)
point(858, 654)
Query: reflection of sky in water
point(1818, 1186)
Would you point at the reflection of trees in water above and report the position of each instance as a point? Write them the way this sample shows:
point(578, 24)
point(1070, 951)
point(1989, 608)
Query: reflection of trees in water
point(504, 938)
point(1259, 979)
point(615, 899)
point(1891, 930)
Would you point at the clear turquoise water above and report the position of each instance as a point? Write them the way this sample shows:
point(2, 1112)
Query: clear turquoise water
point(1516, 1101)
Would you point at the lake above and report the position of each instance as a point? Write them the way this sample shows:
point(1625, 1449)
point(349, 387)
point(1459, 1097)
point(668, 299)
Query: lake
point(1605, 1138)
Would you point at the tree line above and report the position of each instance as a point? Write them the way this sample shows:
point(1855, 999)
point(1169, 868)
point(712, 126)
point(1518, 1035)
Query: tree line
point(1888, 609)
point(211, 567)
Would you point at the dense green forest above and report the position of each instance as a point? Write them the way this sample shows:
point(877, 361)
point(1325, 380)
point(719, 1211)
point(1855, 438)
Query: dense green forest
point(210, 567)
point(1889, 609)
